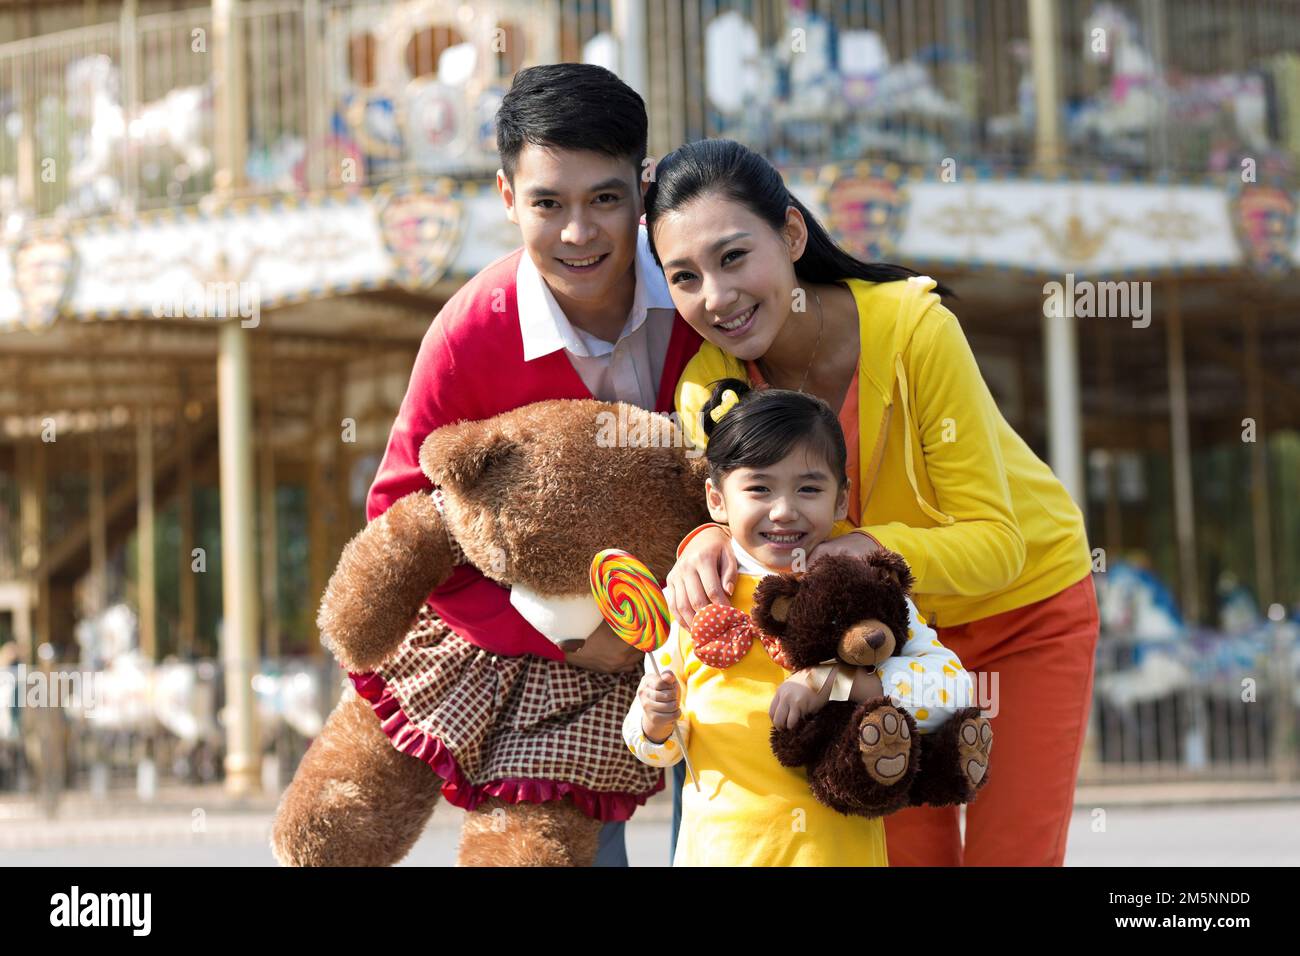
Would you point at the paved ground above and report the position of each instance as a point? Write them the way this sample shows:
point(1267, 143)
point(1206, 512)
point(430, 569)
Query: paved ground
point(202, 828)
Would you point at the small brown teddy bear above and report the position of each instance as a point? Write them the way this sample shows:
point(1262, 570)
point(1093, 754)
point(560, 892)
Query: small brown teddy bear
point(865, 758)
point(530, 745)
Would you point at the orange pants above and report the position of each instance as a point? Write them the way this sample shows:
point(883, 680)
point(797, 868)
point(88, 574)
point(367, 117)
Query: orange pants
point(1043, 655)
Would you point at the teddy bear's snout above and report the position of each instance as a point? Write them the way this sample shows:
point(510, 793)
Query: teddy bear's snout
point(869, 642)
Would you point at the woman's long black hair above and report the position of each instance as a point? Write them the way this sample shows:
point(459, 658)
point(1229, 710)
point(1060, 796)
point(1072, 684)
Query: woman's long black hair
point(739, 173)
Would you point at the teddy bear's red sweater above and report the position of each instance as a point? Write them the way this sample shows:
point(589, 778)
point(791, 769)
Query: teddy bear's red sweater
point(470, 367)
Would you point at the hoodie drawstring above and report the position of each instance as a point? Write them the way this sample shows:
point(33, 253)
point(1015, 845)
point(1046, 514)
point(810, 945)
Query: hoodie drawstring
point(915, 288)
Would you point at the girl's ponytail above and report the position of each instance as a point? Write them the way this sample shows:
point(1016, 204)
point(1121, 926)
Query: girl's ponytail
point(720, 399)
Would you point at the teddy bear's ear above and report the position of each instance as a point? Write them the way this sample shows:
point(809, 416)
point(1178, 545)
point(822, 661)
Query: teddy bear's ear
point(772, 600)
point(891, 566)
point(457, 456)
point(697, 469)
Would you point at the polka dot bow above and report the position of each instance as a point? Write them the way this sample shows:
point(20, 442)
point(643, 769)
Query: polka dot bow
point(723, 635)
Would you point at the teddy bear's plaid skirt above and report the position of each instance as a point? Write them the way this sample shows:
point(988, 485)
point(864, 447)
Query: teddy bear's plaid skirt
point(522, 728)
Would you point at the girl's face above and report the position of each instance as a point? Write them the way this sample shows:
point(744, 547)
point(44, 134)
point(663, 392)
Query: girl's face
point(782, 511)
point(730, 274)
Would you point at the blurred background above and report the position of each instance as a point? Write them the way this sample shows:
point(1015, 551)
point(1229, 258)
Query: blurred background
point(226, 227)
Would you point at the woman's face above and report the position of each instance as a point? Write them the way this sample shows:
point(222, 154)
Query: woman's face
point(782, 511)
point(730, 274)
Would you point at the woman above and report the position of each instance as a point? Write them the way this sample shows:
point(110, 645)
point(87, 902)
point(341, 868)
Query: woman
point(995, 543)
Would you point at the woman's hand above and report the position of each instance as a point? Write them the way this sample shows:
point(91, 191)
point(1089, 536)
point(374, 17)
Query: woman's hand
point(660, 710)
point(703, 575)
point(603, 651)
point(854, 544)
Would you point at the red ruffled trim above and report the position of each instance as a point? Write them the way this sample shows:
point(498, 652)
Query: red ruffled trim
point(410, 739)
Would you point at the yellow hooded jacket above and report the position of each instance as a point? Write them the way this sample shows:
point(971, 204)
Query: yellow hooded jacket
point(944, 480)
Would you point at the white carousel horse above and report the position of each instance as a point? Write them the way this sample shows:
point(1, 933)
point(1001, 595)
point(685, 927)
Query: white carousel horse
point(1133, 602)
point(292, 694)
point(180, 122)
point(134, 695)
point(1129, 104)
point(1137, 97)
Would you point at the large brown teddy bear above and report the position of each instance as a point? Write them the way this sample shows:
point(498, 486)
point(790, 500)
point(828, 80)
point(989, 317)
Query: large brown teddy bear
point(865, 758)
point(527, 497)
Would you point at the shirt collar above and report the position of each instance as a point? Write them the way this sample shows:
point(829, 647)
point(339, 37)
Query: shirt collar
point(545, 327)
point(748, 564)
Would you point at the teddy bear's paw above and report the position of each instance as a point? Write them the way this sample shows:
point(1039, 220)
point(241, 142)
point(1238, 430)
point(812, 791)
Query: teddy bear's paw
point(974, 742)
point(885, 742)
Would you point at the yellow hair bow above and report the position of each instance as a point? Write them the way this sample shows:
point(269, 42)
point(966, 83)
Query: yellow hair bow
point(729, 400)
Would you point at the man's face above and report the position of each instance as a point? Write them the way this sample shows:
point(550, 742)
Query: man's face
point(578, 212)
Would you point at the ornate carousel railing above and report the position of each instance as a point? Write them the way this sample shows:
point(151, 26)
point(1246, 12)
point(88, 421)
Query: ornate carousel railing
point(120, 116)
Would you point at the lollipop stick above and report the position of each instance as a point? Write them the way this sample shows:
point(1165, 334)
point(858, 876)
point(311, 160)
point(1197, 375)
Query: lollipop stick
point(677, 731)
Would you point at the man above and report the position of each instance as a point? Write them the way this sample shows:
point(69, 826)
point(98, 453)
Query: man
point(581, 311)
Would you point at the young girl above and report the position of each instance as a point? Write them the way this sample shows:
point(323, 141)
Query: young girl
point(778, 481)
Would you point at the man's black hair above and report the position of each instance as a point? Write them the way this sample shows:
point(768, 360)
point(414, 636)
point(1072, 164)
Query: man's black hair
point(571, 106)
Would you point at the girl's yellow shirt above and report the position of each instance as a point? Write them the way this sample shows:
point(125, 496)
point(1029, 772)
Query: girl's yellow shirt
point(750, 810)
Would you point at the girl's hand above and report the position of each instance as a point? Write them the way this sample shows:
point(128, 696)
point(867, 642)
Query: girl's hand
point(866, 686)
point(705, 574)
point(855, 544)
point(791, 704)
point(660, 710)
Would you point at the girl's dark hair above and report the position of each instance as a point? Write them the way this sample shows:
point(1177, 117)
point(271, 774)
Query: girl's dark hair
point(765, 425)
point(571, 106)
point(742, 175)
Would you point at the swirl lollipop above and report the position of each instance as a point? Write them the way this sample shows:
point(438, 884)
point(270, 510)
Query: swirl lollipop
point(630, 599)
point(633, 604)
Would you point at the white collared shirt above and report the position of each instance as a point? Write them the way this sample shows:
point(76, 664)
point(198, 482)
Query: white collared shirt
point(748, 564)
point(628, 370)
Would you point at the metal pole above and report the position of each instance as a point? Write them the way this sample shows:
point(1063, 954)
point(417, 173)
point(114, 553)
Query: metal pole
point(1180, 446)
point(324, 438)
point(1259, 503)
point(129, 42)
point(31, 519)
point(185, 510)
point(238, 640)
point(314, 95)
point(1061, 382)
point(239, 644)
point(340, 461)
point(30, 505)
point(1043, 41)
point(1113, 521)
point(1284, 722)
point(266, 501)
point(98, 528)
point(147, 578)
point(228, 95)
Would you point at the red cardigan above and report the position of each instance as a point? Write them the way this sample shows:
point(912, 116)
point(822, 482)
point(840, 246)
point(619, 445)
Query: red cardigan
point(470, 367)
